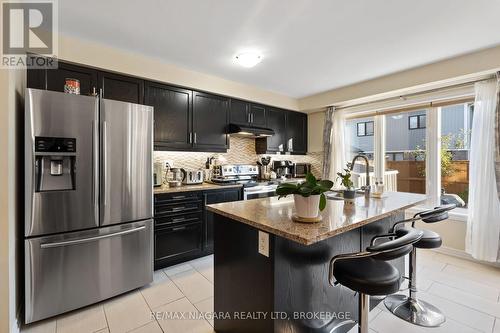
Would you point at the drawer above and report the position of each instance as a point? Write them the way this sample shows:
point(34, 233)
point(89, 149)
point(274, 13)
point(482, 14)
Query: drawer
point(166, 198)
point(178, 241)
point(182, 218)
point(178, 208)
point(102, 262)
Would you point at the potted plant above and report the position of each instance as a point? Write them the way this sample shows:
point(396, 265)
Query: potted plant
point(345, 180)
point(309, 197)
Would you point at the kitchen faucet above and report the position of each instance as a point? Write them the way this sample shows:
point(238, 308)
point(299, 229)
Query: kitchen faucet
point(367, 186)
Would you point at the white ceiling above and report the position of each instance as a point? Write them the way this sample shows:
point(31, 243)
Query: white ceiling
point(308, 46)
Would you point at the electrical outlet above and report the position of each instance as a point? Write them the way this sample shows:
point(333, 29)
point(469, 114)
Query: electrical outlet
point(264, 243)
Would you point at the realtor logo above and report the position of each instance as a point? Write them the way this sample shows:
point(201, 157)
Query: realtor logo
point(28, 27)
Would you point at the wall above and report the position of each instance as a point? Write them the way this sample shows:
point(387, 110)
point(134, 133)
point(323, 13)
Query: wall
point(315, 123)
point(242, 151)
point(102, 56)
point(12, 84)
point(416, 79)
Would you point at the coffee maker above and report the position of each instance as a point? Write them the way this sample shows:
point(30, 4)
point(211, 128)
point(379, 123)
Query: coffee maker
point(283, 169)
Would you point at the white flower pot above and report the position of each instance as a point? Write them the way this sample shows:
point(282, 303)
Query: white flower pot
point(307, 207)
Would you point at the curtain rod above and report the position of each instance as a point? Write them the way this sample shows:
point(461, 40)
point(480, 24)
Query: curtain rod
point(464, 84)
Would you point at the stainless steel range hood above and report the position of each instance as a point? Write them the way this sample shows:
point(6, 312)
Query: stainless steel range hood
point(249, 131)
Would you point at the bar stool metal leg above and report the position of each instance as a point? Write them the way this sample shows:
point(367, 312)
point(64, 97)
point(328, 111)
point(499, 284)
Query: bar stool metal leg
point(412, 309)
point(364, 311)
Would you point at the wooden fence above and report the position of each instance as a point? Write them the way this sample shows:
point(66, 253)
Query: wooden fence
point(411, 177)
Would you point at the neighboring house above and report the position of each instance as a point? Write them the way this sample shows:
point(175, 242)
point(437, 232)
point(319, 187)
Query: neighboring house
point(406, 133)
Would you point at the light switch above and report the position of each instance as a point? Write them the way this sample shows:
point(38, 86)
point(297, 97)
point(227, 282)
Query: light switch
point(264, 243)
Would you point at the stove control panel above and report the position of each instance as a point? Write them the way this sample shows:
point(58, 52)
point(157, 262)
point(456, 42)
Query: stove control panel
point(230, 170)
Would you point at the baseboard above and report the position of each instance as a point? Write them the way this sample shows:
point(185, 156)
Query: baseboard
point(463, 255)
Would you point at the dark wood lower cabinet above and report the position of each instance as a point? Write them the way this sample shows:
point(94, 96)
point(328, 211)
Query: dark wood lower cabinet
point(183, 227)
point(214, 197)
point(177, 243)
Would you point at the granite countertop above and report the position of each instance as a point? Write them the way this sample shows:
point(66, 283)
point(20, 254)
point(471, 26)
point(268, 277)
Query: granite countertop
point(275, 216)
point(196, 187)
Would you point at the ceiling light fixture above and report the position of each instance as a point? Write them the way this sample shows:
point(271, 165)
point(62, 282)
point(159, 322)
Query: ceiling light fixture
point(248, 59)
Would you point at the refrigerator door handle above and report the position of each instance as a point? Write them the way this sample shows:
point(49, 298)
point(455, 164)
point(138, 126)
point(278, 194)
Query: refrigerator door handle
point(95, 172)
point(104, 162)
point(91, 239)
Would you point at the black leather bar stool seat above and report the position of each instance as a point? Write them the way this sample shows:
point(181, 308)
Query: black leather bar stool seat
point(430, 239)
point(368, 273)
point(375, 278)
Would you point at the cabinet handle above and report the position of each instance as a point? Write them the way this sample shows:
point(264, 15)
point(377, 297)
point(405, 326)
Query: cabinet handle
point(248, 118)
point(176, 209)
point(178, 228)
point(179, 197)
point(190, 137)
point(179, 219)
point(194, 137)
point(251, 118)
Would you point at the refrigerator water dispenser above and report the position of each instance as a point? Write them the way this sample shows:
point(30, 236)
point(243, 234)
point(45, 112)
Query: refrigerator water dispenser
point(55, 164)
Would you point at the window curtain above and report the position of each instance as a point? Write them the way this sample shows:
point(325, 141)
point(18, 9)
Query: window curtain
point(333, 143)
point(483, 223)
point(327, 142)
point(497, 138)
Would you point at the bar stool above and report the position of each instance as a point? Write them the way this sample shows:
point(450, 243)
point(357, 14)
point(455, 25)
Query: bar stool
point(369, 273)
point(410, 308)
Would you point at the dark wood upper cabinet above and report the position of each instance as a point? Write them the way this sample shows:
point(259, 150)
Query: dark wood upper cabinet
point(290, 133)
point(172, 110)
point(276, 120)
point(239, 112)
point(121, 88)
point(210, 120)
point(296, 126)
point(248, 114)
point(54, 79)
point(258, 115)
point(184, 119)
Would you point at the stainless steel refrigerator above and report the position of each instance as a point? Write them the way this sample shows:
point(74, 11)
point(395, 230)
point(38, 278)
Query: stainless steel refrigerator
point(88, 200)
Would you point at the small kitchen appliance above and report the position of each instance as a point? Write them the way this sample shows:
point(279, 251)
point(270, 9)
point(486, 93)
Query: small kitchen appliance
point(300, 170)
point(283, 169)
point(191, 177)
point(175, 176)
point(158, 173)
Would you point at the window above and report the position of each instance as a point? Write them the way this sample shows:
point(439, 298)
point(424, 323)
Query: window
point(408, 145)
point(405, 151)
point(359, 140)
point(417, 121)
point(365, 128)
point(456, 127)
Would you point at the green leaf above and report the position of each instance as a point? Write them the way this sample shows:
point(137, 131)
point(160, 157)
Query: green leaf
point(286, 189)
point(305, 191)
point(311, 179)
point(322, 202)
point(287, 186)
point(326, 185)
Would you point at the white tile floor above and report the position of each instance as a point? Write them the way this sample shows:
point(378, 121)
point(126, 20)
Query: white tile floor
point(467, 292)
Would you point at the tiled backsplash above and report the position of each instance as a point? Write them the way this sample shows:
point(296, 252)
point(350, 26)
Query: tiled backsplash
point(242, 151)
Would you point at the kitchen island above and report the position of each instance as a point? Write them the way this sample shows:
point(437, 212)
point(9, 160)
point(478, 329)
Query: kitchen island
point(271, 274)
